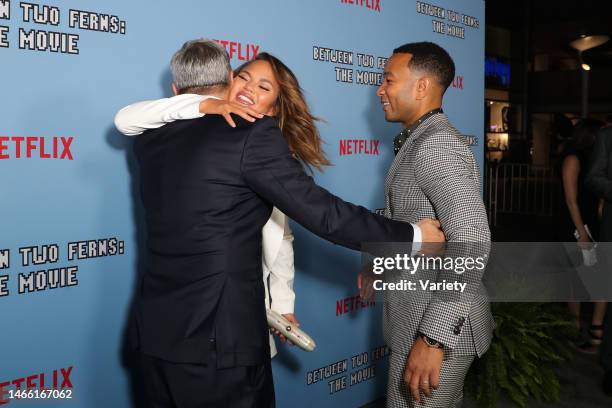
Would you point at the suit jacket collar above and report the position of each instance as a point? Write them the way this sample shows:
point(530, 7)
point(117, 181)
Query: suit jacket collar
point(402, 152)
point(407, 132)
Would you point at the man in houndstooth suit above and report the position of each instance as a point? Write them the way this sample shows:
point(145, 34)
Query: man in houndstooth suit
point(434, 337)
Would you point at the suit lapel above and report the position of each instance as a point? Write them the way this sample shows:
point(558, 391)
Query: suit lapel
point(395, 165)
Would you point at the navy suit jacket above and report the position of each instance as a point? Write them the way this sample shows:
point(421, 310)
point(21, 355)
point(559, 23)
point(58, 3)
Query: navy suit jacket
point(208, 189)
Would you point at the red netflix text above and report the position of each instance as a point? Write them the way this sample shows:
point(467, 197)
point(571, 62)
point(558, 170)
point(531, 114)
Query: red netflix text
point(458, 82)
point(359, 146)
point(54, 380)
point(351, 304)
point(369, 4)
point(242, 51)
point(28, 147)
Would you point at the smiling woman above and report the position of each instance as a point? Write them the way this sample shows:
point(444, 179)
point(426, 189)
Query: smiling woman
point(270, 87)
point(254, 86)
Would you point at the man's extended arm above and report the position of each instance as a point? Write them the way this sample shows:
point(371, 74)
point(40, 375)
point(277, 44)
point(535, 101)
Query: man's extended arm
point(270, 169)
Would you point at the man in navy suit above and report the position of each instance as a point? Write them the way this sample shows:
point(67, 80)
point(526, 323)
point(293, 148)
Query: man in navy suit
point(208, 189)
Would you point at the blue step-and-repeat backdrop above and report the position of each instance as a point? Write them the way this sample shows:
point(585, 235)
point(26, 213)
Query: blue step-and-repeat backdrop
point(68, 231)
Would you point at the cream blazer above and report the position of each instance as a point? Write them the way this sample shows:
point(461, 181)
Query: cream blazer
point(278, 266)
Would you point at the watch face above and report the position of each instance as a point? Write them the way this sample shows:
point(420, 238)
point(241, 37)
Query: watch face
point(431, 342)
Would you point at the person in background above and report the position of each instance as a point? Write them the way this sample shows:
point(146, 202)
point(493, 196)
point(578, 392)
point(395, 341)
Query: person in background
point(599, 181)
point(581, 215)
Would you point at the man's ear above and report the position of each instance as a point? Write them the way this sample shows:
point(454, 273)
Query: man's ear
point(174, 89)
point(423, 87)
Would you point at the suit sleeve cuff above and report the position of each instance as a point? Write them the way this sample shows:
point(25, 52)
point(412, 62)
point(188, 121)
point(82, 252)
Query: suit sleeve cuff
point(444, 322)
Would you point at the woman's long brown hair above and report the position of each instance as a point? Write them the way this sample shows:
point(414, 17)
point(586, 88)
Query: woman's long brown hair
point(294, 117)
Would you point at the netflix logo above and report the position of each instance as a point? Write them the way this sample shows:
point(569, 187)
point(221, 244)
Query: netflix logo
point(240, 51)
point(359, 146)
point(458, 82)
point(351, 304)
point(373, 5)
point(57, 379)
point(36, 147)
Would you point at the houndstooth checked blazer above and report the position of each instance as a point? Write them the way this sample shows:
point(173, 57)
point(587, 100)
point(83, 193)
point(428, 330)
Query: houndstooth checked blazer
point(434, 175)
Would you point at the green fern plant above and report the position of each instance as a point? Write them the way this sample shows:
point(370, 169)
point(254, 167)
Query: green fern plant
point(529, 341)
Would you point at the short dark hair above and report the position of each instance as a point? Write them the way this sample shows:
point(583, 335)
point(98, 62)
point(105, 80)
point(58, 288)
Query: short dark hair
point(431, 58)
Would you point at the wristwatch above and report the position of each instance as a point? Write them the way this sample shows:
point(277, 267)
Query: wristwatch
point(431, 342)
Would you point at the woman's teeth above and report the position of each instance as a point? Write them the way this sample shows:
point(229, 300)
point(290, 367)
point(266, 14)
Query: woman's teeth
point(245, 100)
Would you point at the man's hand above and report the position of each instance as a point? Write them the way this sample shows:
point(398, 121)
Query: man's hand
point(365, 284)
point(423, 367)
point(432, 237)
point(584, 242)
point(292, 319)
point(224, 108)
